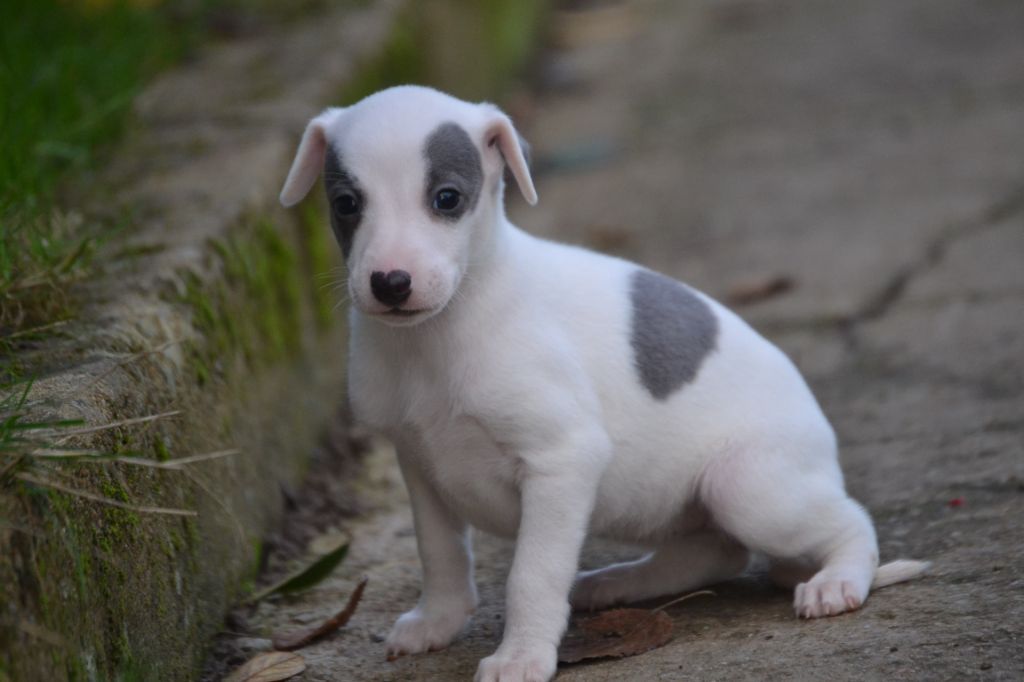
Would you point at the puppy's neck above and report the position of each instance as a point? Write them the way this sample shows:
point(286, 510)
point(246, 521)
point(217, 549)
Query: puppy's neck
point(488, 245)
point(487, 258)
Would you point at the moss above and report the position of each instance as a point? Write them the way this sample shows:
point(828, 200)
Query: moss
point(86, 568)
point(322, 262)
point(274, 280)
point(160, 451)
point(82, 554)
point(192, 534)
point(253, 312)
point(119, 525)
point(78, 668)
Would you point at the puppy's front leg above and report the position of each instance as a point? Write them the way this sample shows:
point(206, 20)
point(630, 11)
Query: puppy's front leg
point(557, 498)
point(449, 594)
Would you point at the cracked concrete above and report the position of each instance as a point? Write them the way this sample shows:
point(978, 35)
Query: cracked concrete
point(872, 151)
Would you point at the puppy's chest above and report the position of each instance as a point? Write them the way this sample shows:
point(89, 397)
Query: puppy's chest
point(475, 476)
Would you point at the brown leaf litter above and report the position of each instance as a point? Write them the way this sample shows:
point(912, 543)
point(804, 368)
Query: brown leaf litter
point(289, 641)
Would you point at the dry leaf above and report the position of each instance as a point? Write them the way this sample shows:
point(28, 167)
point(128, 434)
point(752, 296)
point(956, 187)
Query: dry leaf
point(759, 290)
point(268, 667)
point(616, 633)
point(289, 641)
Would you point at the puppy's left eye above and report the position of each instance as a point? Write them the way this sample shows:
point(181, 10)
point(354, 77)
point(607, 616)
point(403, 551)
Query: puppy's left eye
point(347, 205)
point(447, 200)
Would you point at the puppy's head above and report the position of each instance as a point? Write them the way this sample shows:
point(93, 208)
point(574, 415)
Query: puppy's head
point(414, 183)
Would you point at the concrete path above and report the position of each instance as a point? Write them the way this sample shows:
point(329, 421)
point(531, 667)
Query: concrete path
point(872, 152)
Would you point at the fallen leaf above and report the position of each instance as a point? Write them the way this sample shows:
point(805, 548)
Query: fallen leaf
point(616, 633)
point(289, 641)
point(759, 290)
point(268, 667)
point(327, 543)
point(621, 632)
point(309, 575)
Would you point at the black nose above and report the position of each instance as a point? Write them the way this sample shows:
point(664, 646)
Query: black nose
point(393, 288)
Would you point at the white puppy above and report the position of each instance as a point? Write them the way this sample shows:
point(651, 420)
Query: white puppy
point(538, 391)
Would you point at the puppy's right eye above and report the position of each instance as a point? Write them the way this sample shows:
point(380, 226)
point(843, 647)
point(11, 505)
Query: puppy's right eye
point(346, 205)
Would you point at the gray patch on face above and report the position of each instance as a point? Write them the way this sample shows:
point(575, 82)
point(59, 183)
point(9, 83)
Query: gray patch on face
point(673, 332)
point(339, 182)
point(453, 161)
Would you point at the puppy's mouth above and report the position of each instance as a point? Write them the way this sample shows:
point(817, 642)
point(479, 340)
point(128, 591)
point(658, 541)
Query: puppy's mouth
point(402, 312)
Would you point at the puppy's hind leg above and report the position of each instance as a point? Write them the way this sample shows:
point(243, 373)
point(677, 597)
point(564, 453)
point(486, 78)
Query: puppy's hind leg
point(848, 565)
point(701, 558)
point(798, 515)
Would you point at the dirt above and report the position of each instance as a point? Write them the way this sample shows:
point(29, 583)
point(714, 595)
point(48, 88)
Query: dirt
point(871, 154)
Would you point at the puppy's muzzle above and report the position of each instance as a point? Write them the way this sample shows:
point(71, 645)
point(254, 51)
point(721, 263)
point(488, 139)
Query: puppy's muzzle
point(391, 289)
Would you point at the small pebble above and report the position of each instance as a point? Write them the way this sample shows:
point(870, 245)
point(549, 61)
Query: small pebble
point(250, 644)
point(986, 666)
point(893, 649)
point(376, 637)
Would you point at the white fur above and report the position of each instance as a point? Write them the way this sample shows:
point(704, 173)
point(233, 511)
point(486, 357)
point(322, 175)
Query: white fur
point(516, 408)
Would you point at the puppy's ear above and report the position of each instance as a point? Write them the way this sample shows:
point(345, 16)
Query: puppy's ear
point(502, 134)
point(309, 159)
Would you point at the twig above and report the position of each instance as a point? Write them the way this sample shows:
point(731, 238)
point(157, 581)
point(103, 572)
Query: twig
point(93, 457)
point(21, 528)
point(29, 478)
point(124, 361)
point(124, 422)
point(192, 459)
point(653, 612)
point(239, 528)
point(35, 330)
point(70, 453)
point(296, 640)
point(16, 460)
point(39, 632)
point(232, 633)
point(677, 600)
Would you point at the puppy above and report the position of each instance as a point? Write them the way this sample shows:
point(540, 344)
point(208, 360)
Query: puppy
point(540, 391)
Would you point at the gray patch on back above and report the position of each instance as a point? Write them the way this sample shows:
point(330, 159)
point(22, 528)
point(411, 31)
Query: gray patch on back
point(338, 181)
point(673, 331)
point(453, 161)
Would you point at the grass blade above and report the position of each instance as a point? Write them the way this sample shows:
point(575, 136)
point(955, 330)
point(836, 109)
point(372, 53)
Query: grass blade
point(307, 576)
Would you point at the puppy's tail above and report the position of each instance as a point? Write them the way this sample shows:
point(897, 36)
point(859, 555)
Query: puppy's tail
point(898, 572)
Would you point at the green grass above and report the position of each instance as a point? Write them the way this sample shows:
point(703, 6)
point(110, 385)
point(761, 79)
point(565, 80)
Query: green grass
point(16, 433)
point(69, 71)
point(68, 75)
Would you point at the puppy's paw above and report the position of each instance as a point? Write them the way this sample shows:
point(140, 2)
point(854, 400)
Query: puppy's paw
point(417, 631)
point(519, 662)
point(827, 596)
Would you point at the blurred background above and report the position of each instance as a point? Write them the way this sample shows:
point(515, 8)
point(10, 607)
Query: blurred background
point(849, 176)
